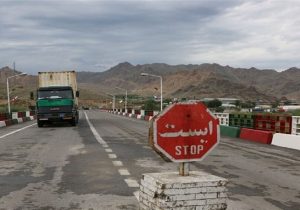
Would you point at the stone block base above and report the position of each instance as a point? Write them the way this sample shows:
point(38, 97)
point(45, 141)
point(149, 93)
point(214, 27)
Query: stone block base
point(198, 191)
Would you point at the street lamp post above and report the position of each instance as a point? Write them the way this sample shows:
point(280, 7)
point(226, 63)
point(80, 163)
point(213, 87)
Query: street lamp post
point(7, 88)
point(161, 96)
point(125, 97)
point(114, 101)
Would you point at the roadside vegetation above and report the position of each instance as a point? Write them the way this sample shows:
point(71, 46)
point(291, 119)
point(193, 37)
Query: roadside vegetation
point(295, 112)
point(13, 108)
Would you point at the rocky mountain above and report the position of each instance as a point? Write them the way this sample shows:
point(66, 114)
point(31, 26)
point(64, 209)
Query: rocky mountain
point(199, 81)
point(188, 81)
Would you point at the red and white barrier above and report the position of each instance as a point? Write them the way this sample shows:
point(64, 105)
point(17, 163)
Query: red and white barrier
point(286, 140)
point(264, 137)
point(18, 117)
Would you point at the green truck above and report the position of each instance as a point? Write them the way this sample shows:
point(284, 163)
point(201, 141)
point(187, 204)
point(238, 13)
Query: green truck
point(57, 98)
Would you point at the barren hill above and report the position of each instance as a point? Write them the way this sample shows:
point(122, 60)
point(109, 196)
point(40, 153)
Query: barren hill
point(198, 81)
point(188, 81)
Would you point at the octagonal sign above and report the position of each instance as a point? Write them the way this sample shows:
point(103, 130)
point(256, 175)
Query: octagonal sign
point(186, 132)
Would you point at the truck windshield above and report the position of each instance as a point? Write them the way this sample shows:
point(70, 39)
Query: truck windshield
point(52, 94)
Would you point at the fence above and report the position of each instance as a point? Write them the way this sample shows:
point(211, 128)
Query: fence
point(296, 125)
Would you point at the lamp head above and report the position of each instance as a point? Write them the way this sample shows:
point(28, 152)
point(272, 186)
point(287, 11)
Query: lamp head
point(144, 74)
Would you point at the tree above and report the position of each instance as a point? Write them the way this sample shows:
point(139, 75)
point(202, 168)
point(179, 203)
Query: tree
point(248, 104)
point(287, 102)
point(275, 104)
point(167, 100)
point(237, 104)
point(151, 105)
point(220, 109)
point(214, 103)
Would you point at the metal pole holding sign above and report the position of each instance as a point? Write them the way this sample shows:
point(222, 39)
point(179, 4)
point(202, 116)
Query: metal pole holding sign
point(184, 169)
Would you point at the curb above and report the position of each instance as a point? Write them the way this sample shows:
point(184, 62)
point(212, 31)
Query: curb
point(6, 123)
point(135, 116)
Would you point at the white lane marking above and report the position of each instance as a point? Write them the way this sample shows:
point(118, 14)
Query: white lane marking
point(129, 182)
point(96, 134)
point(137, 195)
point(124, 172)
point(117, 163)
point(112, 156)
point(17, 130)
point(132, 183)
point(108, 150)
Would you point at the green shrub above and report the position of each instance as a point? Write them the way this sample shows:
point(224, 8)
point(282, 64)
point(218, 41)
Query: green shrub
point(295, 112)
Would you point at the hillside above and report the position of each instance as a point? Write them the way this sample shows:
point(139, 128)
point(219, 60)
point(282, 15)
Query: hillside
point(188, 81)
point(199, 81)
point(19, 86)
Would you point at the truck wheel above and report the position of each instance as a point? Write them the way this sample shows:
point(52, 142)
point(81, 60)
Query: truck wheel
point(40, 123)
point(77, 118)
point(73, 122)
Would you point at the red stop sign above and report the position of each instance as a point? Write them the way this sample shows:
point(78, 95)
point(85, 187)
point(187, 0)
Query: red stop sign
point(186, 132)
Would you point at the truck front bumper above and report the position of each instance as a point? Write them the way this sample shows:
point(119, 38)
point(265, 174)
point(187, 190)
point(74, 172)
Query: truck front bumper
point(56, 116)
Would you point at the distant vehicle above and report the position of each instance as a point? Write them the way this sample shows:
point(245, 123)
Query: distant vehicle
point(57, 97)
point(85, 108)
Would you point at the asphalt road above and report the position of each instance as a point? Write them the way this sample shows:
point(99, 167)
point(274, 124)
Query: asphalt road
point(98, 164)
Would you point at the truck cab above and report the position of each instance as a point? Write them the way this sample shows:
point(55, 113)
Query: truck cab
point(56, 104)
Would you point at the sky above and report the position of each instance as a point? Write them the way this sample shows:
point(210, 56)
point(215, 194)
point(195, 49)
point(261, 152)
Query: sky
point(94, 35)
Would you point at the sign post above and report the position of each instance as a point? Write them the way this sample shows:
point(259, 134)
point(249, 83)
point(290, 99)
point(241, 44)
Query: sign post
point(184, 169)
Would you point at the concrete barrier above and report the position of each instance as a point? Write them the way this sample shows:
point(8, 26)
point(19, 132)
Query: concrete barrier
point(230, 131)
point(2, 124)
point(8, 122)
point(286, 140)
point(264, 137)
point(15, 121)
point(14, 115)
point(20, 120)
point(27, 113)
point(140, 117)
point(156, 113)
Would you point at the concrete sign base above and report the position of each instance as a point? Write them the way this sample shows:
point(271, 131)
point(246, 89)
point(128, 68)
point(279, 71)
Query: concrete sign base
point(169, 190)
